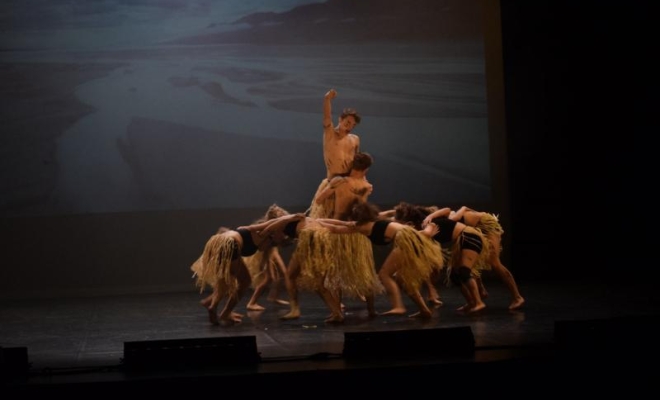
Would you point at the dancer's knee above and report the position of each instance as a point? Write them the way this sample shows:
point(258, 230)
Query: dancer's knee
point(461, 275)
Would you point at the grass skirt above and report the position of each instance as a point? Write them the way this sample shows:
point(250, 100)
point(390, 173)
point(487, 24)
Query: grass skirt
point(337, 261)
point(213, 267)
point(419, 256)
point(325, 209)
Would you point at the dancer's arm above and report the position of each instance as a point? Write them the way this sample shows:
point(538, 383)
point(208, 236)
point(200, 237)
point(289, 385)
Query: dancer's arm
point(337, 225)
point(442, 212)
point(457, 215)
point(328, 191)
point(389, 214)
point(276, 224)
point(335, 222)
point(327, 108)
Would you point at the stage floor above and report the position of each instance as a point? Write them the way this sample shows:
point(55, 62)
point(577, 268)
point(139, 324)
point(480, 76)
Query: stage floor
point(83, 339)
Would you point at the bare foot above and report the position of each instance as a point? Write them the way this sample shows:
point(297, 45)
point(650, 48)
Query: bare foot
point(294, 314)
point(343, 307)
point(334, 319)
point(255, 307)
point(477, 307)
point(436, 302)
point(279, 301)
point(395, 311)
point(425, 314)
point(234, 318)
point(228, 322)
point(464, 307)
point(517, 303)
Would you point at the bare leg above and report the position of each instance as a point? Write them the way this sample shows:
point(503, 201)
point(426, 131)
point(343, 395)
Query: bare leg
point(331, 299)
point(275, 287)
point(503, 272)
point(336, 316)
point(470, 288)
point(424, 311)
point(468, 300)
point(292, 288)
point(274, 292)
point(482, 289)
point(476, 303)
point(210, 303)
point(227, 315)
point(386, 275)
point(433, 297)
point(252, 304)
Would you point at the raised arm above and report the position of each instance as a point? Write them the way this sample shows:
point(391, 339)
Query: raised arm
point(327, 108)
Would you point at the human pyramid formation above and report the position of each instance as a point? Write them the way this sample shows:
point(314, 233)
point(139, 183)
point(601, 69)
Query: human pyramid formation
point(333, 253)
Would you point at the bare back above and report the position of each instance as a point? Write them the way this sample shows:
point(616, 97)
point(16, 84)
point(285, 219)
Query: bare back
point(347, 193)
point(472, 217)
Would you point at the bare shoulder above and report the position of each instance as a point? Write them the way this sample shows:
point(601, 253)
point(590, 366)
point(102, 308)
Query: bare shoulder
point(354, 140)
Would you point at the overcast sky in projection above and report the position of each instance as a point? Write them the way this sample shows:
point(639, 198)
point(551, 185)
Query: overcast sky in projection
point(117, 106)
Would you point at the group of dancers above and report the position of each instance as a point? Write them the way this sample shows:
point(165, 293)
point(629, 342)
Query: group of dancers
point(333, 239)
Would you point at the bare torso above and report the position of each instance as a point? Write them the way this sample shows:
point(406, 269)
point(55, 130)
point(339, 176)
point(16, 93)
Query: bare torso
point(338, 151)
point(347, 193)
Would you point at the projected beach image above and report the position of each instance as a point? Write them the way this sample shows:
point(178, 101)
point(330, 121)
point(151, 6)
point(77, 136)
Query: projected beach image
point(116, 106)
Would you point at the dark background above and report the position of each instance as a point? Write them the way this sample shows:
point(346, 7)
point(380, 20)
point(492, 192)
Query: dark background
point(578, 79)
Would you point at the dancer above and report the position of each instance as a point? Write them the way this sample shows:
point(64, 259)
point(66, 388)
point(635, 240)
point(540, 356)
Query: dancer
point(490, 226)
point(467, 254)
point(327, 264)
point(347, 189)
point(272, 270)
point(414, 215)
point(340, 145)
point(222, 267)
point(412, 258)
point(267, 268)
